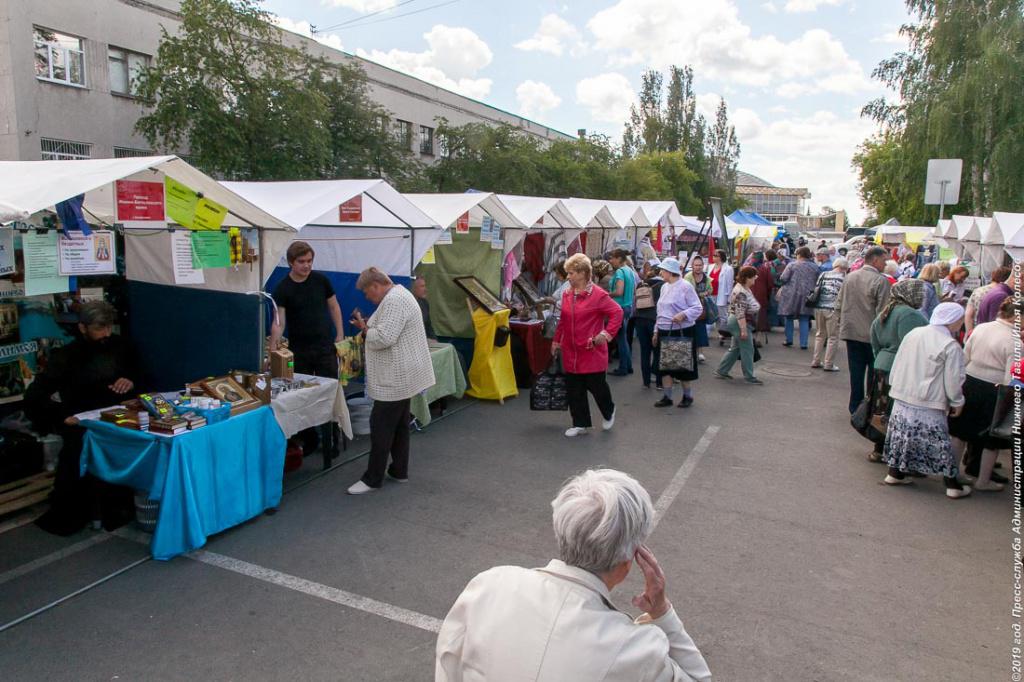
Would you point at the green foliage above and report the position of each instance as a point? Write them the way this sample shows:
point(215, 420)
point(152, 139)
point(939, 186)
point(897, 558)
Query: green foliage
point(959, 85)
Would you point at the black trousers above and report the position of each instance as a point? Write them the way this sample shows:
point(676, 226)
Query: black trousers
point(320, 361)
point(389, 435)
point(577, 386)
point(860, 359)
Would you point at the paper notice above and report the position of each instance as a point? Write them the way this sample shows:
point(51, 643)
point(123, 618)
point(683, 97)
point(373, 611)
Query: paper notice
point(42, 264)
point(6, 251)
point(181, 259)
point(428, 257)
point(444, 238)
point(88, 255)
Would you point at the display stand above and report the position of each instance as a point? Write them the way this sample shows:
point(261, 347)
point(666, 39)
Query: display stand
point(491, 376)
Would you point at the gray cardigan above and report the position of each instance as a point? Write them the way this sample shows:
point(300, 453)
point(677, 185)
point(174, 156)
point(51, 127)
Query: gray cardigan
point(398, 364)
point(865, 292)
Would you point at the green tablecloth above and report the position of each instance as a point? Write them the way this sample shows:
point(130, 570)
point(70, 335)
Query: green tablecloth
point(448, 381)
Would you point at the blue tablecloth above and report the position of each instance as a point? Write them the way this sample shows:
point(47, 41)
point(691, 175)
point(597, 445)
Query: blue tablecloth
point(206, 480)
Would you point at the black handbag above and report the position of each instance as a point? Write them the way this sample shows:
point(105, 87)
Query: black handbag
point(861, 419)
point(501, 335)
point(550, 392)
point(1004, 418)
point(815, 295)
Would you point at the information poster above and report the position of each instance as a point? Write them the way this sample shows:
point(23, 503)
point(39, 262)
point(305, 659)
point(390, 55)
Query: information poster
point(462, 224)
point(351, 211)
point(139, 200)
point(42, 264)
point(6, 251)
point(444, 238)
point(496, 241)
point(181, 259)
point(92, 254)
point(211, 250)
point(188, 209)
point(485, 229)
point(428, 257)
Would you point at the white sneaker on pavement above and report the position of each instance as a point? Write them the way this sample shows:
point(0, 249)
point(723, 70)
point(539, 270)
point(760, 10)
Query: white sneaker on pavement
point(575, 431)
point(607, 424)
point(360, 488)
point(701, 358)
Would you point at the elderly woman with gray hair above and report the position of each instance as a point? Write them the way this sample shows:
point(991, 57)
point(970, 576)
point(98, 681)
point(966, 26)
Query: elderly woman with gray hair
point(558, 622)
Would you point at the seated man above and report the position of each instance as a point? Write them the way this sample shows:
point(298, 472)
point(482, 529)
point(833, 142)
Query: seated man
point(419, 290)
point(558, 622)
point(94, 371)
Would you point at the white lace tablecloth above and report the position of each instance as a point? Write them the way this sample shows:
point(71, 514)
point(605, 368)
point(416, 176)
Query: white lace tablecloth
point(312, 406)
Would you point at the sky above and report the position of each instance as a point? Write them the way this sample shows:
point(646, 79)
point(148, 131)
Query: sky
point(794, 73)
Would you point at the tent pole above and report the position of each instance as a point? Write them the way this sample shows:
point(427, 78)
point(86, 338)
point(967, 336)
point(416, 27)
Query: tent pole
point(263, 307)
point(412, 254)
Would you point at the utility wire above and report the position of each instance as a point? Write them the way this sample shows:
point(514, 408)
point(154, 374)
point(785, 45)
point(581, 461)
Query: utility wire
point(407, 14)
point(363, 17)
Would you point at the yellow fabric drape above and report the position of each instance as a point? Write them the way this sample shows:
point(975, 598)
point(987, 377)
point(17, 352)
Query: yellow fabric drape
point(491, 376)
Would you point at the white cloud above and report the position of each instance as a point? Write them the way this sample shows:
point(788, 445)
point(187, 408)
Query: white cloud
point(659, 33)
point(892, 37)
point(770, 7)
point(454, 57)
point(707, 104)
point(554, 36)
point(814, 152)
point(536, 98)
point(793, 6)
point(304, 28)
point(363, 6)
point(607, 96)
point(747, 123)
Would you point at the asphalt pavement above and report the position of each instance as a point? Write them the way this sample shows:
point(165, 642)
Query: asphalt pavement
point(785, 555)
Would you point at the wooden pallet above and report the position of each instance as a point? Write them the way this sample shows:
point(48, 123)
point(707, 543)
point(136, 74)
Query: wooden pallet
point(26, 492)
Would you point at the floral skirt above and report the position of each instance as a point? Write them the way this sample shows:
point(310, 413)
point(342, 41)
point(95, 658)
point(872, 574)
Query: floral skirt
point(918, 440)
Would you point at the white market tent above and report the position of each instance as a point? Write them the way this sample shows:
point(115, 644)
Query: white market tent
point(446, 209)
point(28, 187)
point(1010, 227)
point(630, 214)
point(602, 228)
point(539, 213)
point(388, 232)
point(955, 231)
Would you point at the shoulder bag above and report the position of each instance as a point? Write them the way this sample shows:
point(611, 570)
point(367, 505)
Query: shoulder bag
point(815, 295)
point(676, 354)
point(1004, 418)
point(644, 296)
point(549, 391)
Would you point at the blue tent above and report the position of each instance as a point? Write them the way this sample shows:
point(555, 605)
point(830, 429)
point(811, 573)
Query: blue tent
point(748, 218)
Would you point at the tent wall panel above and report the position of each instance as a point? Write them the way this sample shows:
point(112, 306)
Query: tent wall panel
point(466, 255)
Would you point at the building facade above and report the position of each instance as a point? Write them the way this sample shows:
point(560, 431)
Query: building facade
point(777, 204)
point(66, 70)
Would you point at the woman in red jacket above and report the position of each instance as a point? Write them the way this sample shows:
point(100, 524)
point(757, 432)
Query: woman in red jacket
point(590, 319)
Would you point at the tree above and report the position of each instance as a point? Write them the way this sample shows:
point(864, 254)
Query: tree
point(959, 85)
point(660, 175)
point(723, 155)
point(643, 132)
point(887, 184)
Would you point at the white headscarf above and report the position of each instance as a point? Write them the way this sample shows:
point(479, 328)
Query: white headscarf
point(946, 314)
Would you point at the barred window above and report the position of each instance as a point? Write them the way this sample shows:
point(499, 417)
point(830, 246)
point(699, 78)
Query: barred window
point(128, 152)
point(64, 150)
point(58, 57)
point(403, 133)
point(426, 140)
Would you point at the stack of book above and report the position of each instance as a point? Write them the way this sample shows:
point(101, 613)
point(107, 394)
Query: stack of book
point(194, 420)
point(157, 405)
point(168, 426)
point(127, 419)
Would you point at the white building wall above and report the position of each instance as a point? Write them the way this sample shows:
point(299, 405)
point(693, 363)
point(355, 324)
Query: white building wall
point(31, 109)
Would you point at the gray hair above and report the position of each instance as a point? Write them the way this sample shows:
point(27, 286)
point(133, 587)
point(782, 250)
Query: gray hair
point(98, 313)
point(601, 517)
point(875, 252)
point(370, 276)
point(891, 267)
point(840, 264)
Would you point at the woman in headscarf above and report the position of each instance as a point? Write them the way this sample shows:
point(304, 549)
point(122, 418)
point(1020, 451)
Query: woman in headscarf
point(926, 379)
point(702, 285)
point(899, 316)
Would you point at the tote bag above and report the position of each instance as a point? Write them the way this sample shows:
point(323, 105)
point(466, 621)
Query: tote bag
point(676, 354)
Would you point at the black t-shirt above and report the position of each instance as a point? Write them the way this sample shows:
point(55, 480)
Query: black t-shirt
point(305, 305)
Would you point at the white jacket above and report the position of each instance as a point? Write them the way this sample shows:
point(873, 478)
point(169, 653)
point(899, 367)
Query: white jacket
point(725, 284)
point(928, 370)
point(557, 624)
point(398, 364)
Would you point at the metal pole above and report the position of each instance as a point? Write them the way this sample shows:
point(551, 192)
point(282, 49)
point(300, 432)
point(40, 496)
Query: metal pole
point(412, 253)
point(942, 198)
point(263, 304)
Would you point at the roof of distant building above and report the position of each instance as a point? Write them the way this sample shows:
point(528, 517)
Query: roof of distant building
point(748, 180)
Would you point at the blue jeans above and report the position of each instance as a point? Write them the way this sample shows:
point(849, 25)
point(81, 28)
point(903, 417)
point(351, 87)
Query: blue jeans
point(625, 351)
point(805, 329)
point(861, 359)
point(645, 335)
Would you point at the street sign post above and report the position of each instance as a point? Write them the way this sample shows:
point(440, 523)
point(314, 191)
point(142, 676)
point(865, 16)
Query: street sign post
point(943, 183)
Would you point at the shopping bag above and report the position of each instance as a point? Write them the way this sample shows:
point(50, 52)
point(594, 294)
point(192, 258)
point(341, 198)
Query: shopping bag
point(676, 354)
point(549, 392)
point(350, 358)
point(1005, 420)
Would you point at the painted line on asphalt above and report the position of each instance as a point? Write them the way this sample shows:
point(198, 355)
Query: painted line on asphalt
point(675, 486)
point(331, 594)
point(19, 571)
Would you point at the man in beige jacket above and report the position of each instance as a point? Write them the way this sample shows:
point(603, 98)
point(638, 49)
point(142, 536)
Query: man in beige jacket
point(558, 623)
point(865, 292)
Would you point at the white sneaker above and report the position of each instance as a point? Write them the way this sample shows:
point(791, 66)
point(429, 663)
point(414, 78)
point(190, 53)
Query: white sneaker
point(359, 488)
point(833, 368)
point(575, 431)
point(607, 424)
point(701, 358)
point(957, 494)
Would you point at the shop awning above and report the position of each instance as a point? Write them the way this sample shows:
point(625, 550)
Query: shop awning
point(540, 212)
point(445, 209)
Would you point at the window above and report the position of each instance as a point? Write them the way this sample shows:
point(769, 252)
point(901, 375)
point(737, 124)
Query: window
point(403, 133)
point(125, 66)
point(59, 58)
point(64, 150)
point(128, 152)
point(426, 140)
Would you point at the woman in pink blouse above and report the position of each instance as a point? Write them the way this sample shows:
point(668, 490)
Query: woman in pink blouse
point(590, 319)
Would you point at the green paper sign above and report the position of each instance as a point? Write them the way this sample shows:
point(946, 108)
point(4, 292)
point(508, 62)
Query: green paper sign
point(211, 250)
point(188, 209)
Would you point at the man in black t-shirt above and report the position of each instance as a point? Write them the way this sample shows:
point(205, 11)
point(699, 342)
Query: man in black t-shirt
point(307, 305)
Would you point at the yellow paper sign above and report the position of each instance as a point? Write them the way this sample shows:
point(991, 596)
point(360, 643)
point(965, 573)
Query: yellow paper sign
point(428, 257)
point(188, 209)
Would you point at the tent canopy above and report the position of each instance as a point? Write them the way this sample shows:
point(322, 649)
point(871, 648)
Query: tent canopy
point(445, 209)
point(27, 187)
point(391, 233)
point(539, 212)
point(958, 227)
point(629, 213)
point(742, 217)
point(1011, 228)
point(591, 213)
point(664, 213)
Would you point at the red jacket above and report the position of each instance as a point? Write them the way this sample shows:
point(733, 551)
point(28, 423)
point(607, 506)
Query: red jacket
point(583, 317)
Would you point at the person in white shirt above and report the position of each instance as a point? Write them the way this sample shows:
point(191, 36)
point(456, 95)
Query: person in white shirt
point(925, 386)
point(558, 622)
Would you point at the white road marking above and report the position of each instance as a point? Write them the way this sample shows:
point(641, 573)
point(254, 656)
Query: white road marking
point(675, 486)
point(331, 594)
point(19, 571)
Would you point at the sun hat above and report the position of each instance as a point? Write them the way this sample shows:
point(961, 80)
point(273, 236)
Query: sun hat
point(671, 265)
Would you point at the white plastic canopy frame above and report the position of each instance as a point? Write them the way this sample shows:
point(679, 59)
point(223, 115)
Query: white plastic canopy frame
point(391, 233)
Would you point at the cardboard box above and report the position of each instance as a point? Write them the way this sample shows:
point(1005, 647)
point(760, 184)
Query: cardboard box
point(282, 364)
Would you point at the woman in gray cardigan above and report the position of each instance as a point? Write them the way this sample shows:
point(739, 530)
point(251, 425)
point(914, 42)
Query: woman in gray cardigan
point(798, 281)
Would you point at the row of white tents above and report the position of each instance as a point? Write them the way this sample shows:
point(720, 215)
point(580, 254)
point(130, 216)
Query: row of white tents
point(982, 239)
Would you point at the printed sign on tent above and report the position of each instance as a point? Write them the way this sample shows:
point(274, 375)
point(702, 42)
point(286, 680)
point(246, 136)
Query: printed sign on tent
point(428, 257)
point(462, 224)
point(42, 266)
point(444, 238)
point(351, 211)
point(139, 200)
point(496, 241)
point(181, 259)
point(6, 252)
point(92, 254)
point(211, 250)
point(485, 229)
point(188, 209)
